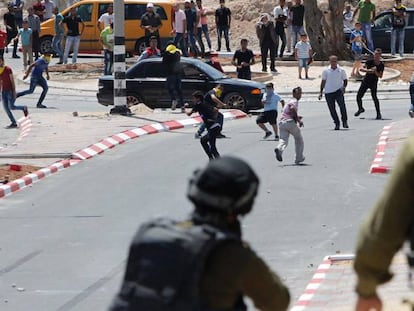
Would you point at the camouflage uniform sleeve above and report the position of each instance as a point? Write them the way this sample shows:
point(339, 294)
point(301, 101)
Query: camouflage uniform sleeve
point(263, 286)
point(387, 226)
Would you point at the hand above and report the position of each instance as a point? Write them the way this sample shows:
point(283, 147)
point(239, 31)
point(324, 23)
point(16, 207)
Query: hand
point(343, 90)
point(25, 76)
point(301, 124)
point(47, 77)
point(320, 96)
point(369, 304)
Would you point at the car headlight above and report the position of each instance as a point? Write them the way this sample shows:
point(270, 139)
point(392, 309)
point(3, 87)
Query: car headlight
point(256, 92)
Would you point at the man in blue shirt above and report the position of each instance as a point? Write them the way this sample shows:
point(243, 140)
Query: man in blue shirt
point(269, 115)
point(37, 78)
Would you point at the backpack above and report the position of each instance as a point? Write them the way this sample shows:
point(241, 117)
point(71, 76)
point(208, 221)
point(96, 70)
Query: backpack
point(165, 265)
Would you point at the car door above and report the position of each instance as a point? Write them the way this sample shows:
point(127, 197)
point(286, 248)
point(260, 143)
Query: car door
point(194, 79)
point(148, 79)
point(381, 31)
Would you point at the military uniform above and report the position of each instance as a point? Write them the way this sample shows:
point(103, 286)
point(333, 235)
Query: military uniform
point(387, 227)
point(233, 270)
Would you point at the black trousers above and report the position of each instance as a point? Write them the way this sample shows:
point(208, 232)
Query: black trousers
point(208, 141)
point(361, 92)
point(264, 49)
point(337, 97)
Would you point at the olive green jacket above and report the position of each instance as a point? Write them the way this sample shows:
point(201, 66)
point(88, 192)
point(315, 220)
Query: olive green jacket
point(387, 227)
point(234, 269)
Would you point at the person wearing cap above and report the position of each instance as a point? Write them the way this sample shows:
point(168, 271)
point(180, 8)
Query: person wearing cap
point(107, 40)
point(223, 22)
point(8, 93)
point(25, 34)
point(269, 115)
point(151, 23)
point(180, 29)
point(36, 78)
point(106, 19)
point(303, 53)
point(290, 124)
point(151, 51)
point(209, 265)
point(334, 82)
point(171, 59)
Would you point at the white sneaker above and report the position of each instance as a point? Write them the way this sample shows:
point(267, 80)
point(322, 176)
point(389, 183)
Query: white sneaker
point(173, 104)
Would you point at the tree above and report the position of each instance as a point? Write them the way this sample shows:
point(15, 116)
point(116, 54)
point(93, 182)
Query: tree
point(325, 28)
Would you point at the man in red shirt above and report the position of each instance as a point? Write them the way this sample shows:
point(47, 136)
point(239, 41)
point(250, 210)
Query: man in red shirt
point(3, 40)
point(8, 93)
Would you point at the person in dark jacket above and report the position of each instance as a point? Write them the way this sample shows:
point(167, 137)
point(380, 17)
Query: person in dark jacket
point(171, 60)
point(265, 31)
point(222, 192)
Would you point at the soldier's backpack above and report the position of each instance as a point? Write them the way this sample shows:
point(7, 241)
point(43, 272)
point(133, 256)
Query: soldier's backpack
point(165, 264)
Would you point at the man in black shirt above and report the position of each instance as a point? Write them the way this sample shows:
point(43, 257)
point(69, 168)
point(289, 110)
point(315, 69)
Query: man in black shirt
point(73, 34)
point(374, 69)
point(223, 20)
point(242, 59)
point(298, 12)
point(209, 115)
point(191, 18)
point(171, 60)
point(151, 22)
point(11, 25)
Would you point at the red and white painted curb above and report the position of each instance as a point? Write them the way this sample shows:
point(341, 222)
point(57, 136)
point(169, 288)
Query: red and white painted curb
point(317, 279)
point(377, 165)
point(121, 138)
point(100, 147)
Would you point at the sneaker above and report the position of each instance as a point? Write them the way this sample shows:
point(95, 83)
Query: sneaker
point(11, 126)
point(345, 125)
point(273, 70)
point(278, 155)
point(268, 133)
point(300, 161)
point(336, 127)
point(25, 111)
point(197, 136)
point(379, 117)
point(220, 135)
point(40, 106)
point(173, 104)
point(15, 56)
point(359, 112)
point(411, 113)
point(276, 137)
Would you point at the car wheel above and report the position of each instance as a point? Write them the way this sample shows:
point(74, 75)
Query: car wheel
point(235, 100)
point(134, 99)
point(140, 46)
point(46, 44)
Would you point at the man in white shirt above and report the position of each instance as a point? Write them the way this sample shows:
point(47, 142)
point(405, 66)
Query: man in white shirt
point(49, 8)
point(348, 17)
point(334, 81)
point(107, 18)
point(280, 14)
point(180, 29)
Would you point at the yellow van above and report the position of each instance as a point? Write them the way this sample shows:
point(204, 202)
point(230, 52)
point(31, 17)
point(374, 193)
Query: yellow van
point(91, 10)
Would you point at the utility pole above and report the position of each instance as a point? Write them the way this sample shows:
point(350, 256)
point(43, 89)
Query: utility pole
point(120, 100)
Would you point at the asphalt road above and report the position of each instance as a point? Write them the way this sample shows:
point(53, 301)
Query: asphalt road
point(63, 241)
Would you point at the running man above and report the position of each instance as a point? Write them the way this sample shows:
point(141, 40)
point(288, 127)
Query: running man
point(269, 115)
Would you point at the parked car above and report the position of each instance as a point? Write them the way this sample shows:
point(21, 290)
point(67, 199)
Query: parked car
point(381, 31)
point(91, 10)
point(146, 83)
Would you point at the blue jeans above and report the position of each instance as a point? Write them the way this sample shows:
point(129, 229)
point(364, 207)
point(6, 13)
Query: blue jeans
point(108, 62)
point(200, 41)
point(71, 40)
point(366, 28)
point(296, 31)
point(180, 40)
point(191, 37)
point(204, 28)
point(400, 32)
point(337, 96)
point(220, 120)
point(412, 96)
point(174, 87)
point(220, 31)
point(57, 45)
point(8, 104)
point(35, 81)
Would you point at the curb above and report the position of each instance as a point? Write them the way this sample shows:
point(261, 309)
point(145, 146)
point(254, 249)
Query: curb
point(101, 146)
point(377, 167)
point(317, 279)
point(25, 126)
